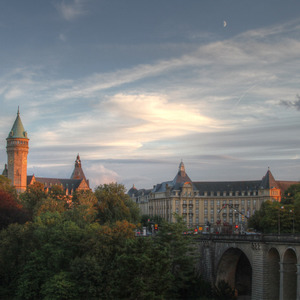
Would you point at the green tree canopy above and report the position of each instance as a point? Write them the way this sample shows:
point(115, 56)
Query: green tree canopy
point(275, 217)
point(291, 194)
point(32, 197)
point(115, 205)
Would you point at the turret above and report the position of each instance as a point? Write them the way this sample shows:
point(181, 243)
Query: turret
point(17, 151)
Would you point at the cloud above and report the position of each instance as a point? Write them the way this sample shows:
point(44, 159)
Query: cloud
point(157, 113)
point(62, 37)
point(13, 93)
point(71, 10)
point(292, 104)
point(125, 123)
point(98, 174)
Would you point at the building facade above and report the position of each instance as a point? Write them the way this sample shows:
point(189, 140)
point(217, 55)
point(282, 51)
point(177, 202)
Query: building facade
point(16, 167)
point(200, 203)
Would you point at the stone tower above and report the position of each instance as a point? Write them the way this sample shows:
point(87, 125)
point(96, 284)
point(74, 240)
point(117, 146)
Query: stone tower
point(17, 151)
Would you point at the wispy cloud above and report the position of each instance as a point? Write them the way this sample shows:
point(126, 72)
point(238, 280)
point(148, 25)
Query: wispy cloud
point(71, 10)
point(62, 37)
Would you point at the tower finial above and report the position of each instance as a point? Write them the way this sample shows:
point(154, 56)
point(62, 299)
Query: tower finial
point(18, 113)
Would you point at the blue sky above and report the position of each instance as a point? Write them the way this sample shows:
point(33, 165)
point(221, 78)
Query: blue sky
point(137, 86)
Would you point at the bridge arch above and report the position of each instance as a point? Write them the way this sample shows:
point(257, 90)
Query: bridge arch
point(235, 268)
point(273, 271)
point(288, 270)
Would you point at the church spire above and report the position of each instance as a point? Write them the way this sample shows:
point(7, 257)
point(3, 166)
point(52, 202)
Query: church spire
point(181, 169)
point(78, 172)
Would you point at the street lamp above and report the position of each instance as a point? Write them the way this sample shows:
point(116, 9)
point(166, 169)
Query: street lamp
point(282, 207)
point(292, 211)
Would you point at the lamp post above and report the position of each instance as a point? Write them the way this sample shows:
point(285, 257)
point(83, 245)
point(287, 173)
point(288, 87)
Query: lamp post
point(282, 207)
point(292, 211)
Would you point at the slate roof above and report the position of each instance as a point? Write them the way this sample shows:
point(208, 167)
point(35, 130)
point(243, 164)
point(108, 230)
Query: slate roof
point(17, 131)
point(180, 178)
point(227, 186)
point(284, 185)
point(78, 172)
point(67, 184)
point(268, 181)
point(5, 171)
point(132, 191)
point(162, 187)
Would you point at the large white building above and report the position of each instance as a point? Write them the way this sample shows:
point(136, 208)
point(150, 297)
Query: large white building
point(200, 202)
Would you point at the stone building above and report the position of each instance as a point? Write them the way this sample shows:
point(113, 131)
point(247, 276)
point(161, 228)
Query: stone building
point(16, 167)
point(214, 202)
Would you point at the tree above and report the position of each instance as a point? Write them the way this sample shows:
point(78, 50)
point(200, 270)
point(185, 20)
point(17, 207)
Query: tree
point(142, 271)
point(32, 197)
point(291, 194)
point(50, 204)
point(56, 242)
point(10, 210)
point(115, 205)
point(83, 209)
point(183, 257)
point(274, 217)
point(5, 185)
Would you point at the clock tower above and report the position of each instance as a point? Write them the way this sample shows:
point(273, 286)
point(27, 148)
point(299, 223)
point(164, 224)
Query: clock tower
point(17, 151)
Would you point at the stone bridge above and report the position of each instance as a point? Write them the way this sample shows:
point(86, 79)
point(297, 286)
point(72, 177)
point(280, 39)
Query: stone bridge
point(258, 266)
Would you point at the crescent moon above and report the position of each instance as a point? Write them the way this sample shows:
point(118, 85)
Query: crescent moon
point(224, 24)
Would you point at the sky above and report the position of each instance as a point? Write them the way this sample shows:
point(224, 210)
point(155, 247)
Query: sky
point(136, 86)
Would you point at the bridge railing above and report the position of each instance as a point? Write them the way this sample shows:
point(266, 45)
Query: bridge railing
point(258, 237)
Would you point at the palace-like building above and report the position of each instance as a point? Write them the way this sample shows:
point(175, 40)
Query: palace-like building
point(16, 167)
point(200, 202)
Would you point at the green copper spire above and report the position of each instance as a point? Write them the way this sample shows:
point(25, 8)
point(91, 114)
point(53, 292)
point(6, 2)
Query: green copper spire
point(18, 131)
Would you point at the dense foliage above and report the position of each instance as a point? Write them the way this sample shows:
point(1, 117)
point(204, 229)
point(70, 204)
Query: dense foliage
point(283, 217)
point(85, 248)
